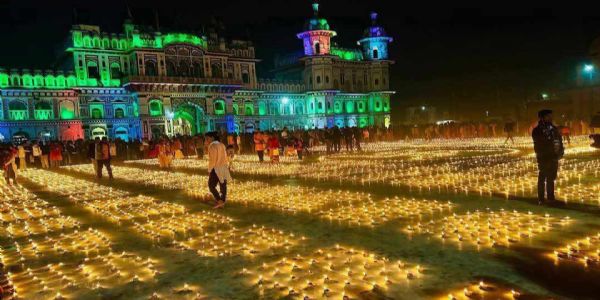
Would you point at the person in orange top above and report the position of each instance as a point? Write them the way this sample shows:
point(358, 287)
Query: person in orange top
point(259, 145)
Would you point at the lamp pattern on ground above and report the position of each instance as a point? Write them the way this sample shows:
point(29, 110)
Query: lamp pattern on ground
point(337, 272)
point(585, 251)
point(485, 290)
point(49, 255)
point(488, 228)
point(199, 231)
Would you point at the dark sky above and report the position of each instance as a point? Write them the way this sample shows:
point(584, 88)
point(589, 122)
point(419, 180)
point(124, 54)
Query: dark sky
point(441, 48)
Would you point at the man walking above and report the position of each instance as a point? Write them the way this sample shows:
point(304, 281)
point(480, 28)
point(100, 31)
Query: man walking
point(103, 157)
point(549, 149)
point(218, 169)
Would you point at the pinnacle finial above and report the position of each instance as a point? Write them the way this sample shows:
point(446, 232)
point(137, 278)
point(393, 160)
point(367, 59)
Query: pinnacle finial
point(315, 7)
point(374, 17)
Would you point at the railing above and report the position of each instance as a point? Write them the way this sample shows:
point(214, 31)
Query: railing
point(182, 80)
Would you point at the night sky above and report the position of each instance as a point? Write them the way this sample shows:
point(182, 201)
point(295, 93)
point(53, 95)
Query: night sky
point(444, 54)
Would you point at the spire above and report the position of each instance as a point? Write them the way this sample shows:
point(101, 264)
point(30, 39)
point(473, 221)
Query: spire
point(129, 15)
point(374, 18)
point(315, 7)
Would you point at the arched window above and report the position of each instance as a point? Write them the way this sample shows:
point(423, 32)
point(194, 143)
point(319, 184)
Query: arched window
point(171, 68)
point(115, 70)
point(320, 106)
point(377, 105)
point(119, 113)
point(96, 42)
point(337, 107)
point(114, 44)
point(326, 79)
point(248, 109)
point(349, 106)
point(17, 110)
point(318, 79)
point(375, 53)
point(245, 77)
point(155, 108)
point(273, 108)
point(219, 107)
point(67, 110)
point(43, 110)
point(92, 70)
point(184, 69)
point(317, 48)
point(197, 70)
point(216, 70)
point(96, 113)
point(87, 42)
point(299, 108)
point(262, 108)
point(150, 67)
point(361, 106)
point(236, 109)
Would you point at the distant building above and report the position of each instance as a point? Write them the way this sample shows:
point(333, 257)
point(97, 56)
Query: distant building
point(145, 84)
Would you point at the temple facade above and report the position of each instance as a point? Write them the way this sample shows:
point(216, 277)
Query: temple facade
point(145, 84)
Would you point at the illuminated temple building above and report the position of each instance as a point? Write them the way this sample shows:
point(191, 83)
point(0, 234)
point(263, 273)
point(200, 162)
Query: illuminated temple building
point(143, 84)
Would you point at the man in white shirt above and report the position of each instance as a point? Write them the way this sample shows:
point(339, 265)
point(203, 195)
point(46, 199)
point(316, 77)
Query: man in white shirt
point(218, 169)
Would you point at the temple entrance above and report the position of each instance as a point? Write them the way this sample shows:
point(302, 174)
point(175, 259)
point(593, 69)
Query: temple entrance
point(182, 126)
point(98, 132)
point(188, 120)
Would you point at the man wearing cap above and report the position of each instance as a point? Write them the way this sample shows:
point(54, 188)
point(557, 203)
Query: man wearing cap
point(548, 147)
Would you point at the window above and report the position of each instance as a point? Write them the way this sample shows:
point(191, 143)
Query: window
point(216, 70)
point(219, 107)
point(299, 108)
point(96, 113)
point(337, 107)
point(119, 113)
point(326, 79)
point(249, 109)
point(43, 111)
point(375, 53)
point(17, 110)
point(320, 106)
point(376, 81)
point(317, 48)
point(197, 70)
point(245, 77)
point(67, 110)
point(318, 79)
point(115, 71)
point(170, 68)
point(150, 67)
point(235, 109)
point(92, 70)
point(156, 108)
point(262, 108)
point(342, 78)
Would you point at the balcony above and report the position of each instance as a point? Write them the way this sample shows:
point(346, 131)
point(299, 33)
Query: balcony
point(181, 80)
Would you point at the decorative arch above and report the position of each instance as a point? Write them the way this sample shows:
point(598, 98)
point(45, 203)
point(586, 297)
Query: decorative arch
point(219, 106)
point(155, 108)
point(17, 110)
point(150, 68)
point(67, 110)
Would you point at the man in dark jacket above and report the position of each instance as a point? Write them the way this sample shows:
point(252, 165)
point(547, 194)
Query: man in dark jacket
point(548, 147)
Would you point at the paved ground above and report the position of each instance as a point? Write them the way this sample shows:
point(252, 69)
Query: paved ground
point(437, 220)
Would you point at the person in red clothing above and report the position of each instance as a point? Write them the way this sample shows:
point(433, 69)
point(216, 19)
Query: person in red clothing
point(298, 146)
point(273, 146)
point(55, 154)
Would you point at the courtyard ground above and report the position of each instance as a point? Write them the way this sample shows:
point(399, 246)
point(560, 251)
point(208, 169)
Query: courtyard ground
point(401, 220)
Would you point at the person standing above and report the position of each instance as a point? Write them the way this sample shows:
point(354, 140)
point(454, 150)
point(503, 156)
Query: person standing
point(45, 155)
point(9, 165)
point(22, 159)
point(549, 149)
point(273, 146)
point(259, 145)
point(218, 169)
point(103, 158)
point(509, 129)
